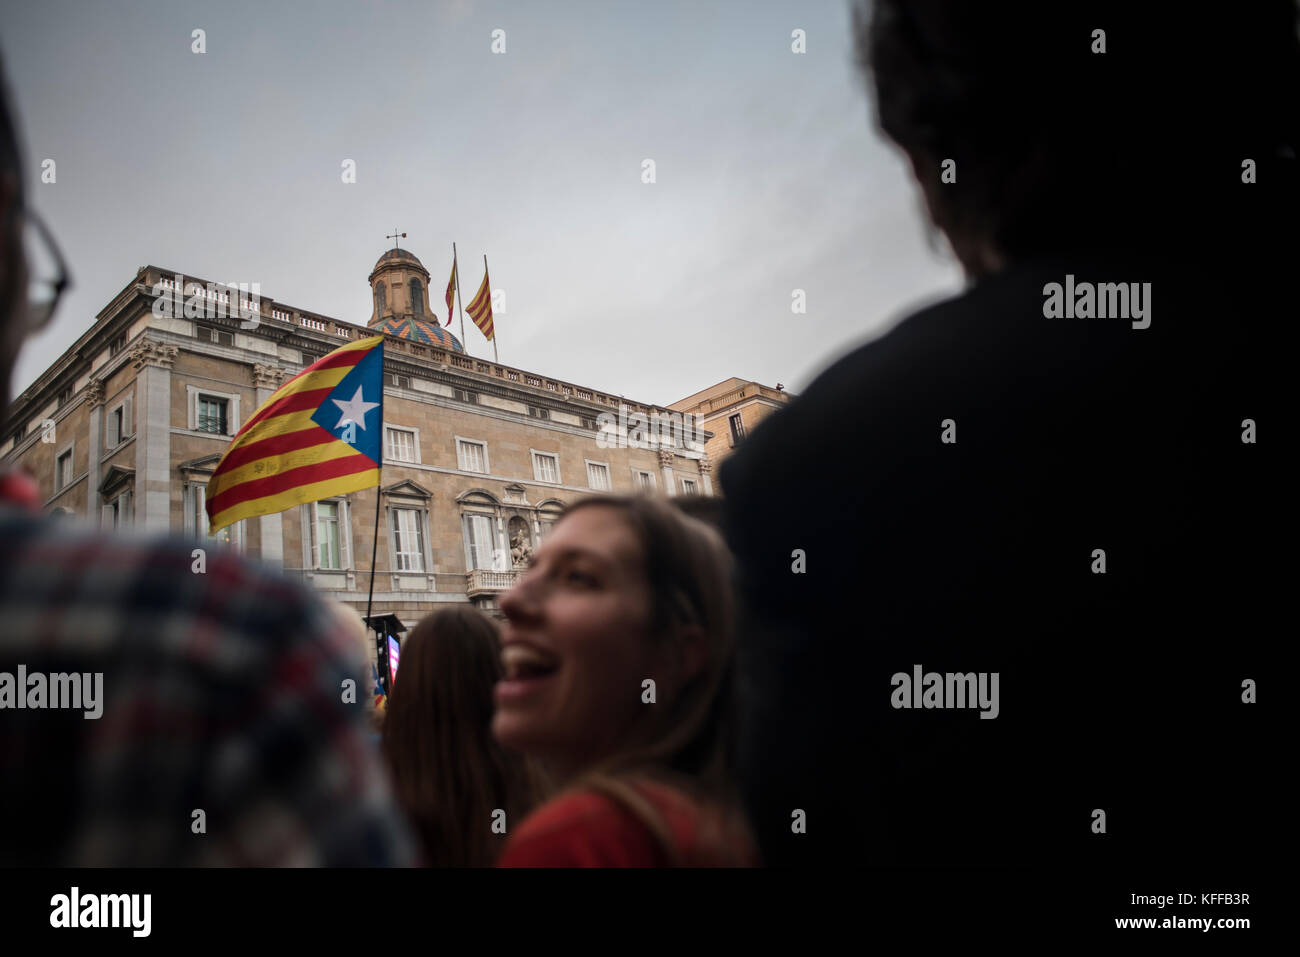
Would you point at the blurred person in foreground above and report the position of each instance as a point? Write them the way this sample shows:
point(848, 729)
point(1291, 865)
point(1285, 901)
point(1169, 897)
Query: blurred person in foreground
point(618, 654)
point(459, 787)
point(221, 692)
point(1011, 485)
point(367, 694)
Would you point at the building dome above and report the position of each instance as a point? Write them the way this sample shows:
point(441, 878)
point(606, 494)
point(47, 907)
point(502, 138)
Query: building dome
point(399, 284)
point(418, 330)
point(399, 255)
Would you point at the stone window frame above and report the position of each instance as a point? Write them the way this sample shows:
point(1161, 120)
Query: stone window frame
point(609, 476)
point(537, 475)
point(487, 463)
point(233, 419)
point(479, 502)
point(346, 551)
point(127, 405)
point(415, 444)
point(195, 519)
point(421, 515)
point(416, 288)
point(70, 480)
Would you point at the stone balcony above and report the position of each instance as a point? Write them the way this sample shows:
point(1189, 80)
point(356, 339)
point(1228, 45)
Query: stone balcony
point(485, 581)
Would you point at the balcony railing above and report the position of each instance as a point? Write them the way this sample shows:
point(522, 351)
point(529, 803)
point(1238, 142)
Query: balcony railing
point(483, 581)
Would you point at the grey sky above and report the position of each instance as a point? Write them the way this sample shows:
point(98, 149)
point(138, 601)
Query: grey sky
point(226, 165)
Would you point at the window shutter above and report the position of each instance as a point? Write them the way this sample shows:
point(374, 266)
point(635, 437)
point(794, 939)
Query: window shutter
point(124, 509)
point(345, 534)
point(106, 516)
point(315, 535)
point(128, 422)
point(111, 435)
point(478, 542)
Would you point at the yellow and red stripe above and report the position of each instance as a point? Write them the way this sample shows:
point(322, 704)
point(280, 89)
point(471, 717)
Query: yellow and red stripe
point(451, 288)
point(281, 457)
point(480, 307)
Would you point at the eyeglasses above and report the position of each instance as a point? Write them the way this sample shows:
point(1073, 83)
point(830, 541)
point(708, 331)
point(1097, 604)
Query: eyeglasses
point(47, 273)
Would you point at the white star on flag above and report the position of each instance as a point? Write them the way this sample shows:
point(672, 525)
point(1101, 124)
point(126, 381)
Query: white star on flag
point(355, 409)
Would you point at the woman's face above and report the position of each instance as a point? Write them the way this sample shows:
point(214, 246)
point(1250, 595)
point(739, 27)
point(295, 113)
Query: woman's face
point(575, 643)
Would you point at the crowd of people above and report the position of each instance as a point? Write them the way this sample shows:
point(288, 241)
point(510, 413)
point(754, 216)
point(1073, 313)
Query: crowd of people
point(687, 682)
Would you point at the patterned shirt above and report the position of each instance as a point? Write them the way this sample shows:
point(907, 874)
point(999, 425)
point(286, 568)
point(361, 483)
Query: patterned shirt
point(228, 735)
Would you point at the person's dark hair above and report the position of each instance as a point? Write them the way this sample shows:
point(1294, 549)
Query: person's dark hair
point(449, 772)
point(692, 742)
point(1058, 147)
point(706, 508)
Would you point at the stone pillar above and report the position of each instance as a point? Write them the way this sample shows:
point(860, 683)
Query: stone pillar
point(267, 378)
point(666, 467)
point(153, 487)
point(95, 450)
point(706, 479)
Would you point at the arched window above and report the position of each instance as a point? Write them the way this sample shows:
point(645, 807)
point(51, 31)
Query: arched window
point(381, 298)
point(417, 298)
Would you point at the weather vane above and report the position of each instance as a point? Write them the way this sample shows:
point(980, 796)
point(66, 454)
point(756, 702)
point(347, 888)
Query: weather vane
point(395, 237)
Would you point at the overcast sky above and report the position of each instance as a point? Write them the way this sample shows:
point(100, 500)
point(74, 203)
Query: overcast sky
point(227, 165)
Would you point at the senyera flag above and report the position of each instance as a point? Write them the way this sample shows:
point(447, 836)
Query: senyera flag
point(480, 308)
point(318, 435)
point(451, 288)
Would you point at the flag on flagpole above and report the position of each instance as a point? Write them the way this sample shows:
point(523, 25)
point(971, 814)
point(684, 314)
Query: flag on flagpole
point(317, 435)
point(451, 289)
point(480, 307)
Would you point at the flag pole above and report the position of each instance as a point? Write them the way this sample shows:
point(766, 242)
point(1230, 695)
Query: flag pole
point(494, 323)
point(460, 303)
point(374, 549)
point(379, 486)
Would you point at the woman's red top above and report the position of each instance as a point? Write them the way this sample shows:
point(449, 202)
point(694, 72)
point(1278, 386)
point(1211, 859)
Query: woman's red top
point(586, 828)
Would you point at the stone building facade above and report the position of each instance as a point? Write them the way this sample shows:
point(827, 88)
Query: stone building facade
point(729, 411)
point(126, 428)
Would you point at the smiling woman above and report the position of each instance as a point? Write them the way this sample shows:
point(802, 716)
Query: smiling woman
point(618, 652)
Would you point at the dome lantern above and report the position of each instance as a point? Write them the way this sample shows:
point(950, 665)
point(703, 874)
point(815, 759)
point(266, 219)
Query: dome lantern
point(399, 286)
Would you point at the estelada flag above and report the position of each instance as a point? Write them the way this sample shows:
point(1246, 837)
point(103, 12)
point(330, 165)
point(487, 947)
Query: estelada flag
point(451, 288)
point(318, 435)
point(480, 307)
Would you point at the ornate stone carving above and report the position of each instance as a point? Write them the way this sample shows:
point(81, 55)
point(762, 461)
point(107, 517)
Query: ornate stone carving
point(267, 376)
point(521, 549)
point(95, 392)
point(705, 466)
point(665, 458)
point(146, 352)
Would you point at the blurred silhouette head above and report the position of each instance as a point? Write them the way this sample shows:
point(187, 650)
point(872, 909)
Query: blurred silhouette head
point(1058, 146)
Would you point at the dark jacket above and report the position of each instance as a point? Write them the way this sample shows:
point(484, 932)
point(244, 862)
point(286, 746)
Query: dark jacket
point(1120, 692)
